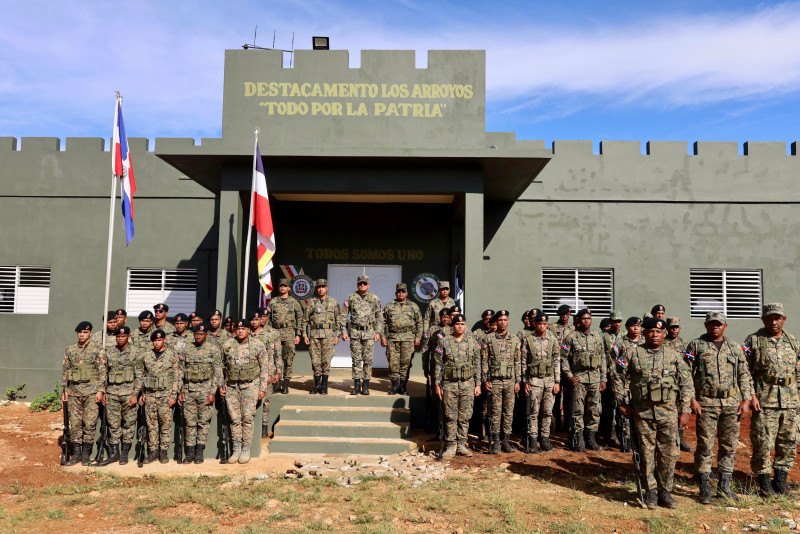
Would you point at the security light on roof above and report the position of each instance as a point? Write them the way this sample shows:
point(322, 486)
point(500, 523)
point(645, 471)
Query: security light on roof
point(320, 43)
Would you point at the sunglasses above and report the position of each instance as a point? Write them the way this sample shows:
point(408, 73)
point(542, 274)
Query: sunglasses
point(160, 311)
point(401, 291)
point(362, 283)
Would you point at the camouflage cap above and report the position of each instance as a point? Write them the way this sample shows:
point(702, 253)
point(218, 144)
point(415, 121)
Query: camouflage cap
point(362, 278)
point(400, 287)
point(122, 331)
point(716, 316)
point(321, 282)
point(673, 321)
point(444, 285)
point(615, 316)
point(83, 325)
point(284, 282)
point(647, 316)
point(773, 308)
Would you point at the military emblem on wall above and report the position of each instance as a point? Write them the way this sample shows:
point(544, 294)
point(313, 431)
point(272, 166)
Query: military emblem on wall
point(301, 287)
point(425, 287)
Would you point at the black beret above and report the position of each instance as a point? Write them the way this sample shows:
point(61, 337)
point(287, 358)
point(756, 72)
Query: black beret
point(228, 320)
point(83, 325)
point(501, 313)
point(241, 323)
point(633, 321)
point(564, 309)
point(158, 334)
point(161, 306)
point(444, 311)
point(534, 311)
point(122, 330)
point(200, 328)
point(458, 318)
point(526, 315)
point(657, 308)
point(215, 313)
point(147, 314)
point(456, 309)
point(111, 314)
point(487, 313)
point(253, 315)
point(605, 322)
point(584, 311)
point(122, 312)
point(654, 323)
point(263, 311)
point(540, 317)
point(180, 317)
point(194, 315)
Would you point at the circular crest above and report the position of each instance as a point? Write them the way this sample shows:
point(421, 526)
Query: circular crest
point(424, 287)
point(301, 287)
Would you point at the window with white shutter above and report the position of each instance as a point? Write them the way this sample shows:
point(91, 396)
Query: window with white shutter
point(737, 293)
point(177, 288)
point(578, 288)
point(25, 289)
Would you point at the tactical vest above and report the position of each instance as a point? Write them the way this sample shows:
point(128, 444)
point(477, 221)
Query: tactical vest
point(501, 370)
point(121, 374)
point(538, 367)
point(242, 373)
point(160, 381)
point(83, 373)
point(198, 372)
point(586, 360)
point(657, 389)
point(459, 371)
point(708, 391)
point(762, 367)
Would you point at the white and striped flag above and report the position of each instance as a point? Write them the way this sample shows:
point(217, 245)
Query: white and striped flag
point(262, 220)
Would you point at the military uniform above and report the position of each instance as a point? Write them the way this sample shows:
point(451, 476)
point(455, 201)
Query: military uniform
point(125, 372)
point(247, 370)
point(202, 376)
point(141, 339)
point(97, 339)
point(362, 318)
point(271, 339)
point(403, 327)
point(163, 378)
point(541, 369)
point(286, 315)
point(433, 309)
point(500, 366)
point(608, 403)
point(657, 384)
point(219, 337)
point(583, 356)
point(322, 324)
point(179, 342)
point(561, 331)
point(457, 371)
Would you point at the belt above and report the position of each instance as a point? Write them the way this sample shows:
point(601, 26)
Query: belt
point(322, 326)
point(404, 330)
point(777, 380)
point(360, 327)
point(282, 325)
point(718, 393)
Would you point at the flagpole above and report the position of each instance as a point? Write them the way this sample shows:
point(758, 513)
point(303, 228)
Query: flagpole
point(110, 220)
point(249, 229)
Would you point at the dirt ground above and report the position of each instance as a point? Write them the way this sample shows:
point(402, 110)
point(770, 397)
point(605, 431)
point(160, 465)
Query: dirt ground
point(558, 491)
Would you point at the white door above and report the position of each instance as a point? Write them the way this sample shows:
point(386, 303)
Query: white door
point(382, 282)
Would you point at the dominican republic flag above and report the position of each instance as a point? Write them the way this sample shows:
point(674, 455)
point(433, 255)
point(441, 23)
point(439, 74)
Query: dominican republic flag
point(121, 166)
point(459, 289)
point(262, 220)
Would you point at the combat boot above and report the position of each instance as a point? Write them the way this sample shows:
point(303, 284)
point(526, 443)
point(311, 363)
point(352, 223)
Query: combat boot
point(126, 449)
point(705, 488)
point(285, 389)
point(449, 451)
point(265, 431)
point(151, 457)
point(315, 389)
point(86, 453)
point(198, 454)
point(651, 499)
point(591, 443)
point(403, 390)
point(462, 449)
point(113, 456)
point(188, 457)
point(665, 500)
point(546, 445)
point(724, 487)
point(245, 456)
point(533, 446)
point(685, 447)
point(323, 386)
point(579, 445)
point(507, 447)
point(765, 486)
point(613, 439)
point(163, 457)
point(75, 457)
point(393, 389)
point(356, 387)
point(237, 451)
point(495, 444)
point(365, 387)
point(779, 484)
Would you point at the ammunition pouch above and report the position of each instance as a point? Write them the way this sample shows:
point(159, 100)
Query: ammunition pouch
point(198, 372)
point(718, 393)
point(502, 370)
point(242, 373)
point(586, 361)
point(158, 382)
point(657, 390)
point(540, 369)
point(458, 371)
point(83, 373)
point(121, 375)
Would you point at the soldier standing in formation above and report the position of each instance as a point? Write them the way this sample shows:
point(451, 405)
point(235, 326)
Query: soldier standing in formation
point(141, 336)
point(122, 317)
point(773, 356)
point(402, 334)
point(322, 325)
point(83, 383)
point(541, 372)
point(163, 378)
point(654, 385)
point(584, 364)
point(160, 323)
point(247, 372)
point(500, 372)
point(287, 318)
point(442, 300)
point(182, 336)
point(215, 331)
point(202, 376)
point(674, 340)
point(608, 415)
point(125, 372)
point(723, 388)
point(111, 325)
point(271, 340)
point(561, 329)
point(457, 379)
point(361, 315)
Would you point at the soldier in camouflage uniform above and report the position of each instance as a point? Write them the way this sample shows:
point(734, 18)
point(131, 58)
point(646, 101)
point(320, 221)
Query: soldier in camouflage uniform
point(583, 363)
point(321, 324)
point(160, 322)
point(632, 337)
point(195, 318)
point(362, 317)
point(723, 387)
point(163, 378)
point(140, 338)
point(202, 376)
point(608, 413)
point(540, 370)
point(487, 326)
point(111, 325)
point(561, 329)
point(122, 317)
point(430, 342)
point(125, 371)
point(653, 384)
point(216, 332)
point(227, 324)
point(182, 336)
point(271, 340)
point(773, 356)
point(83, 379)
point(248, 373)
point(401, 334)
point(500, 374)
point(287, 318)
point(442, 300)
point(457, 378)
point(675, 340)
point(659, 312)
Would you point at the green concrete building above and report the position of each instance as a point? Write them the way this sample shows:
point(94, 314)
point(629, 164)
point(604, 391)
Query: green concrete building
point(388, 169)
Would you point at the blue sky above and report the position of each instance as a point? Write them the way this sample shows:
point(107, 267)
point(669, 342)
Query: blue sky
point(624, 70)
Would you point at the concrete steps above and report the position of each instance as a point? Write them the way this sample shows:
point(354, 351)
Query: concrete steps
point(376, 425)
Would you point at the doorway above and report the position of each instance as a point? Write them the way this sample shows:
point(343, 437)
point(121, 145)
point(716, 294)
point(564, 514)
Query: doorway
point(382, 282)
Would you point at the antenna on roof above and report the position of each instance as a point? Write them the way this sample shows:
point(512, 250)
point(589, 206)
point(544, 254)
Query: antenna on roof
point(254, 46)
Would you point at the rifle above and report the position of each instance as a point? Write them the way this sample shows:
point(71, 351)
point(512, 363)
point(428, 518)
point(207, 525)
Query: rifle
point(428, 406)
point(103, 440)
point(620, 425)
point(179, 433)
point(225, 432)
point(65, 437)
point(637, 459)
point(487, 417)
point(141, 436)
point(573, 435)
point(527, 440)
